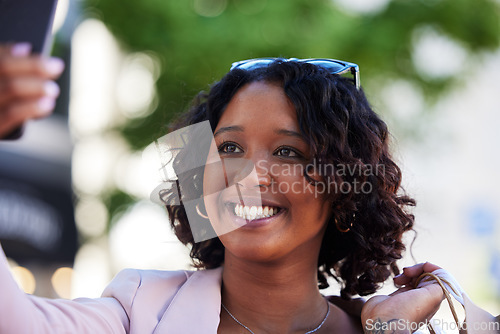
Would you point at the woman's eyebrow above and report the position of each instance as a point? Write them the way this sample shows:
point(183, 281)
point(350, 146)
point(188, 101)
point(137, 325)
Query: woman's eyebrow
point(289, 133)
point(229, 129)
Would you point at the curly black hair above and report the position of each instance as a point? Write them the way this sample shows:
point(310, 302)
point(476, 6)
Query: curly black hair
point(363, 238)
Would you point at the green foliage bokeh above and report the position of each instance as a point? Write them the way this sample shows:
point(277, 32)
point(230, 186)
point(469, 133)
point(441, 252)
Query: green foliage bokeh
point(195, 50)
point(197, 40)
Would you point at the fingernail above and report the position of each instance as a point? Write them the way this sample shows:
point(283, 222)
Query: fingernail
point(20, 49)
point(398, 275)
point(51, 89)
point(46, 104)
point(54, 66)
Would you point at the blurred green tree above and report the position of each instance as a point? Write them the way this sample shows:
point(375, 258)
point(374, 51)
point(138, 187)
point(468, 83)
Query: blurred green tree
point(197, 40)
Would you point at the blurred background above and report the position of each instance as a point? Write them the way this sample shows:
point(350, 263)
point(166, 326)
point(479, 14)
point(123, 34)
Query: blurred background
point(74, 195)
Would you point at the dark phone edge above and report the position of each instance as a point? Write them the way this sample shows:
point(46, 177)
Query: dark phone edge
point(49, 36)
point(16, 134)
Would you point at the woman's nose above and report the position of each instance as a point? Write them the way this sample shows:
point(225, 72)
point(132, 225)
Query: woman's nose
point(263, 173)
point(259, 176)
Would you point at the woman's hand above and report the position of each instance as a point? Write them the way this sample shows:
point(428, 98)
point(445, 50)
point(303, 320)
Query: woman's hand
point(27, 89)
point(405, 309)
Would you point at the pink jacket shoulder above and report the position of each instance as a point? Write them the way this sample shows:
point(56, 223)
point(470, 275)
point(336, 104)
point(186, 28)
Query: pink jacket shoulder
point(136, 301)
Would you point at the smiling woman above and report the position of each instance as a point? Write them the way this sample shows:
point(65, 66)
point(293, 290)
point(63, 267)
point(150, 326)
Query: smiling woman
point(294, 120)
point(305, 213)
point(278, 158)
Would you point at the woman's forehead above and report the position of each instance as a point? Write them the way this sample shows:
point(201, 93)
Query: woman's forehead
point(260, 104)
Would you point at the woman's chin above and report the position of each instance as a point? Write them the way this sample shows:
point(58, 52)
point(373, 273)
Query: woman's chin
point(249, 251)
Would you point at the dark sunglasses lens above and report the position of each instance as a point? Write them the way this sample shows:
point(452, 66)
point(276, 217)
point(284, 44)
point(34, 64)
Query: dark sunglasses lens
point(331, 66)
point(252, 64)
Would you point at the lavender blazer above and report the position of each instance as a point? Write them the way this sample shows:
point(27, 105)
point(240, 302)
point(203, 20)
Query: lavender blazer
point(136, 301)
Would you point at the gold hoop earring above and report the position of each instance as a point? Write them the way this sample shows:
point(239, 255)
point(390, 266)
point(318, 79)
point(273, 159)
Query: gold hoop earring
point(198, 211)
point(344, 230)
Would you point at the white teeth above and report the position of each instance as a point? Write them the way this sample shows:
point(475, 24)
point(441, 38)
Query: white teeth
point(254, 212)
point(259, 211)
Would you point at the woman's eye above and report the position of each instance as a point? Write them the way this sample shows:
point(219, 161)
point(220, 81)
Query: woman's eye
point(286, 152)
point(229, 148)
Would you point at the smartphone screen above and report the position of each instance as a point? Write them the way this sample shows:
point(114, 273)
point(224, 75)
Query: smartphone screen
point(28, 21)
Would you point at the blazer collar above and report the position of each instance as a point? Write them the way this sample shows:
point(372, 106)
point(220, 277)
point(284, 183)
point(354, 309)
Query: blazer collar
point(196, 306)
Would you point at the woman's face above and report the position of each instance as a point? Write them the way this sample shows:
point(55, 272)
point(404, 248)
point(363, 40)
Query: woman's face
point(272, 211)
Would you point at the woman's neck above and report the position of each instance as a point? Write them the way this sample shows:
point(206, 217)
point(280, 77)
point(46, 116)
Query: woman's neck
point(278, 297)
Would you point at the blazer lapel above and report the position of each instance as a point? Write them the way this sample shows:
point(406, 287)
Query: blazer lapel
point(195, 308)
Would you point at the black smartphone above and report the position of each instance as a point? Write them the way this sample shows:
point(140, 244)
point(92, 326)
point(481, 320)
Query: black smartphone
point(27, 21)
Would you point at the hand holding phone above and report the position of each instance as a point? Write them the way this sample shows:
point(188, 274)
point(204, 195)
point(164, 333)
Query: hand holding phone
point(27, 89)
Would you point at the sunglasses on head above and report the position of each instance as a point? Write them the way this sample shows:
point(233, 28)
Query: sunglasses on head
point(332, 65)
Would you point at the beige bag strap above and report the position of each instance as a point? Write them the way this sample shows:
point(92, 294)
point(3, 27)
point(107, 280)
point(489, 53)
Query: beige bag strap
point(431, 276)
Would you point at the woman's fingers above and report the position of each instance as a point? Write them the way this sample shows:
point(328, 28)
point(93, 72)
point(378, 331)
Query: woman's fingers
point(410, 274)
point(16, 60)
point(16, 50)
point(26, 88)
point(430, 267)
point(48, 68)
point(18, 112)
point(418, 269)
